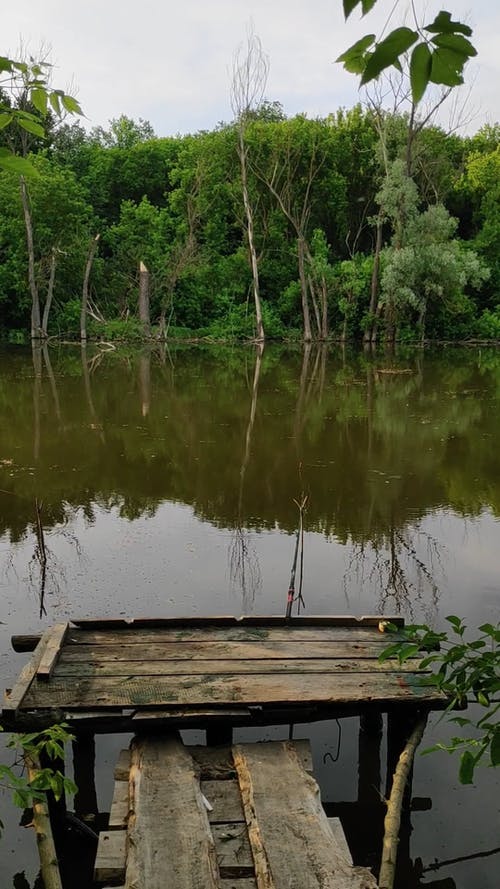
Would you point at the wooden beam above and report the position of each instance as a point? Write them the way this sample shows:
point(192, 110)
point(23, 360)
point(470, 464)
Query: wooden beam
point(297, 850)
point(13, 698)
point(170, 842)
point(372, 620)
point(52, 651)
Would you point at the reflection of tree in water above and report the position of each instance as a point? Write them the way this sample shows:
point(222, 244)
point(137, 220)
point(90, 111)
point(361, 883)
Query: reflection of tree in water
point(244, 568)
point(395, 569)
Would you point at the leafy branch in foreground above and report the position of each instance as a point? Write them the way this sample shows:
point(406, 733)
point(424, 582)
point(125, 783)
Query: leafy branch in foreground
point(440, 51)
point(28, 80)
point(48, 743)
point(467, 672)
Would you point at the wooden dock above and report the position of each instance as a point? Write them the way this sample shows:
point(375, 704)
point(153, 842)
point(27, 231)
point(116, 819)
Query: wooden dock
point(242, 817)
point(123, 676)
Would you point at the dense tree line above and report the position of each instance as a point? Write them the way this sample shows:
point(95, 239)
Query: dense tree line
point(350, 240)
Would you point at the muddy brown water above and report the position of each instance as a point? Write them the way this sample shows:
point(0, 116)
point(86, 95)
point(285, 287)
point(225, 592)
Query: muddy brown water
point(167, 479)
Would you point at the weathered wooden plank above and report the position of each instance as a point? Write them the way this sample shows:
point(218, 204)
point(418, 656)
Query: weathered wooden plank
point(254, 689)
point(247, 620)
point(234, 855)
point(219, 667)
point(339, 838)
point(118, 815)
point(170, 842)
point(225, 799)
point(52, 650)
point(110, 859)
point(14, 698)
point(205, 714)
point(210, 634)
point(122, 767)
point(295, 851)
point(213, 763)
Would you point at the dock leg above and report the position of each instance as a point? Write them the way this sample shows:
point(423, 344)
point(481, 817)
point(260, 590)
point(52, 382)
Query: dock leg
point(84, 772)
point(370, 738)
point(219, 735)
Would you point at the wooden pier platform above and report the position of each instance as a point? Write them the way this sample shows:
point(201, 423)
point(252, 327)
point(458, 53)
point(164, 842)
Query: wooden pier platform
point(242, 817)
point(126, 676)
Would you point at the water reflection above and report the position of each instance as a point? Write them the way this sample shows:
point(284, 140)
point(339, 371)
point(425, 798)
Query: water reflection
point(379, 443)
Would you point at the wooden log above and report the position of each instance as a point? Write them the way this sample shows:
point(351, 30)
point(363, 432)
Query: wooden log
point(393, 817)
point(118, 815)
point(373, 620)
point(44, 837)
point(52, 651)
point(170, 842)
point(111, 857)
point(295, 851)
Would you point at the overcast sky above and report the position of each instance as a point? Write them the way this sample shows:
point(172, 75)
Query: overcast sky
point(169, 61)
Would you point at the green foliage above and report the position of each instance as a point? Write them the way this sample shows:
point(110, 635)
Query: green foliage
point(48, 743)
point(468, 672)
point(440, 51)
point(26, 98)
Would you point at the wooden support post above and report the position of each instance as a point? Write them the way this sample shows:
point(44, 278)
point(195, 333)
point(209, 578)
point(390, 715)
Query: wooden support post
point(370, 737)
point(45, 840)
point(84, 774)
point(218, 735)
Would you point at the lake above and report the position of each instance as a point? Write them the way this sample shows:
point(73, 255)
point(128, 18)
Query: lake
point(167, 482)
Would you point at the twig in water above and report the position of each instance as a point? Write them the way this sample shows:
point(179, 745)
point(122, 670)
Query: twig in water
point(299, 540)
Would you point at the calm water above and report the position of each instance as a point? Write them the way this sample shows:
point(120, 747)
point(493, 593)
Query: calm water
point(167, 483)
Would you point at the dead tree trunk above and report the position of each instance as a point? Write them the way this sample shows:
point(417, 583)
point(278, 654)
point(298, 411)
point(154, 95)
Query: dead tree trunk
point(35, 299)
point(85, 289)
point(301, 255)
point(370, 333)
point(144, 283)
point(250, 70)
point(50, 293)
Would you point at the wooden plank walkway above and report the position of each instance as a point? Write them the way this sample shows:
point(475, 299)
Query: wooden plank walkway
point(117, 675)
point(246, 817)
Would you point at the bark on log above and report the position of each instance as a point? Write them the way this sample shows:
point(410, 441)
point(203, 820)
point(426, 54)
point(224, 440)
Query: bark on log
point(45, 840)
point(392, 819)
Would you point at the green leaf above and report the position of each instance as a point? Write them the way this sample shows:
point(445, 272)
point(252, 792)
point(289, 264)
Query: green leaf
point(455, 42)
point(71, 105)
point(483, 699)
point(15, 164)
point(5, 120)
point(420, 71)
point(447, 67)
point(495, 748)
point(39, 99)
point(354, 58)
point(55, 103)
point(5, 64)
point(349, 6)
point(466, 771)
point(443, 24)
point(388, 51)
point(31, 126)
point(366, 5)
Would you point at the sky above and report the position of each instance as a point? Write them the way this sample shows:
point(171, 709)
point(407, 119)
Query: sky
point(169, 61)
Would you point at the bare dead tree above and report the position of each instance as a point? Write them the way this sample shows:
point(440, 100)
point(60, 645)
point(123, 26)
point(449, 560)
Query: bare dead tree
point(85, 289)
point(296, 206)
point(250, 71)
